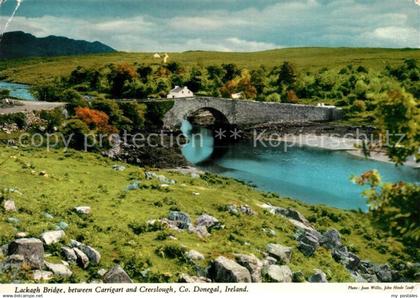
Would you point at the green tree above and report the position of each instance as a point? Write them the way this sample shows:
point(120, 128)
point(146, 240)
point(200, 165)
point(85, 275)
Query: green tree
point(287, 74)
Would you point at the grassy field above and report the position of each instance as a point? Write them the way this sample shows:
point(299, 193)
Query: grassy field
point(35, 70)
point(75, 178)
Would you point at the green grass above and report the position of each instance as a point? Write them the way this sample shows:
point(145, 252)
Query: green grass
point(76, 178)
point(34, 70)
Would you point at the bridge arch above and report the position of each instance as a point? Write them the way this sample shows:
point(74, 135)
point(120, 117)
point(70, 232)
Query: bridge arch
point(207, 116)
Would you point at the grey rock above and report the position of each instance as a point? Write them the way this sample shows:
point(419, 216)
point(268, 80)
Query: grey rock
point(75, 243)
point(298, 277)
point(185, 278)
point(232, 209)
point(383, 272)
point(200, 231)
point(9, 206)
point(20, 235)
point(83, 210)
point(12, 262)
point(52, 237)
point(306, 249)
point(207, 221)
point(93, 255)
point(59, 269)
point(194, 255)
point(252, 263)
point(118, 168)
point(82, 258)
point(319, 276)
point(245, 209)
point(69, 254)
point(269, 261)
point(102, 272)
point(226, 270)
point(31, 249)
point(13, 220)
point(41, 275)
point(47, 215)
point(62, 226)
point(331, 239)
point(181, 219)
point(276, 273)
point(283, 254)
point(308, 242)
point(292, 214)
point(116, 275)
point(4, 249)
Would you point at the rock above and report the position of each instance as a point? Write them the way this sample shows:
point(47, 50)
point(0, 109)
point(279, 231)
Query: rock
point(232, 209)
point(9, 206)
point(207, 221)
point(352, 262)
point(52, 237)
point(75, 243)
point(102, 272)
point(181, 219)
point(281, 253)
point(47, 215)
point(59, 269)
point(383, 272)
point(252, 263)
point(69, 254)
point(13, 220)
point(308, 242)
point(247, 210)
point(185, 278)
point(319, 276)
point(83, 210)
point(292, 214)
point(4, 250)
point(269, 261)
point(194, 255)
point(201, 231)
point(82, 258)
point(118, 168)
point(164, 180)
point(116, 275)
point(276, 273)
point(40, 275)
point(306, 249)
point(31, 249)
point(20, 235)
point(93, 255)
point(134, 185)
point(331, 239)
point(226, 270)
point(340, 254)
point(62, 226)
point(12, 262)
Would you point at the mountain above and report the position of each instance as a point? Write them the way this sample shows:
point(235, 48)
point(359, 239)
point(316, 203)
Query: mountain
point(19, 44)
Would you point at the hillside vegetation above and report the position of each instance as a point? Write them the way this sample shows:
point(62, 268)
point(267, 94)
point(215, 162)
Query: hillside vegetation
point(47, 186)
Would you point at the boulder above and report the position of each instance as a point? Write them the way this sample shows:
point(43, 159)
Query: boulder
point(69, 254)
point(52, 237)
point(181, 219)
point(331, 239)
point(31, 249)
point(200, 231)
point(252, 263)
point(226, 270)
point(298, 277)
point(383, 272)
point(116, 275)
point(20, 235)
point(281, 253)
point(83, 210)
point(62, 226)
point(292, 214)
point(194, 255)
point(9, 206)
point(319, 276)
point(12, 262)
point(93, 255)
point(306, 249)
point(41, 275)
point(269, 261)
point(207, 221)
point(245, 209)
point(308, 242)
point(82, 258)
point(185, 278)
point(276, 273)
point(59, 269)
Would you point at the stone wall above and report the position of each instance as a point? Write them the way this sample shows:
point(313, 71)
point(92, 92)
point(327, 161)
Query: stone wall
point(243, 112)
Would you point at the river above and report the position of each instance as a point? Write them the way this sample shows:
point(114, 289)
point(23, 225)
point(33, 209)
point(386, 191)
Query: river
point(19, 91)
point(315, 176)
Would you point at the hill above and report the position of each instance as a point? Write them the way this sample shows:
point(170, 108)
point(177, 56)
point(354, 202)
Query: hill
point(117, 225)
point(19, 44)
point(306, 59)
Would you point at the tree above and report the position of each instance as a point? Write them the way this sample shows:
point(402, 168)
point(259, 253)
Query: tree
point(287, 74)
point(109, 107)
point(119, 76)
point(398, 117)
point(231, 71)
point(75, 131)
point(135, 112)
point(94, 119)
point(4, 93)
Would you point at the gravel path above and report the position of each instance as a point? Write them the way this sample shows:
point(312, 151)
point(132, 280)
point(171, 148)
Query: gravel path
point(28, 106)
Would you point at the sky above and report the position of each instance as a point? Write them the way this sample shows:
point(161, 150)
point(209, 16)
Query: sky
point(222, 25)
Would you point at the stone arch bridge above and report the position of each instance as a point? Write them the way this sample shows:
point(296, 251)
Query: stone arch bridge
point(246, 112)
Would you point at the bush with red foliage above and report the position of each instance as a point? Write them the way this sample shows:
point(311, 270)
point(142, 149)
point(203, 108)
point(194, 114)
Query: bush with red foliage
point(95, 119)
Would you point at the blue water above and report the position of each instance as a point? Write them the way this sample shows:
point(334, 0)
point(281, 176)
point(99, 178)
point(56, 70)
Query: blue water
point(312, 175)
point(19, 91)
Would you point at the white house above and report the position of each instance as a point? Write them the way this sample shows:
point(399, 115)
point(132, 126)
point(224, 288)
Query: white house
point(179, 92)
point(239, 95)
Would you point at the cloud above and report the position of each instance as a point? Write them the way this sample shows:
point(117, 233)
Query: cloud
point(229, 25)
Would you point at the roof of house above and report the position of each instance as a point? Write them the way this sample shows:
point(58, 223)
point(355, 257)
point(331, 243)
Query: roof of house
point(178, 89)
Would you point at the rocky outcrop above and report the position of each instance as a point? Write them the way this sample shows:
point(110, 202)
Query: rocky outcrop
point(252, 263)
point(319, 276)
point(59, 269)
point(226, 270)
point(52, 237)
point(276, 273)
point(31, 249)
point(194, 255)
point(281, 253)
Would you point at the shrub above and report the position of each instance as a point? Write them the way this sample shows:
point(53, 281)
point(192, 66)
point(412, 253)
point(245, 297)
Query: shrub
point(109, 107)
point(75, 132)
point(94, 119)
point(54, 118)
point(135, 112)
point(273, 97)
point(359, 106)
point(4, 93)
point(18, 118)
